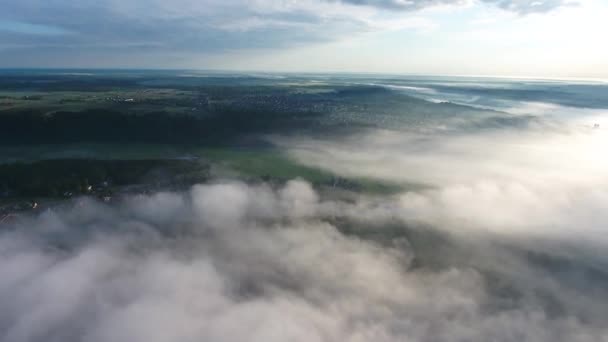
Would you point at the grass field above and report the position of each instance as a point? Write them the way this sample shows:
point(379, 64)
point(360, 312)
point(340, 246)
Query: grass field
point(253, 164)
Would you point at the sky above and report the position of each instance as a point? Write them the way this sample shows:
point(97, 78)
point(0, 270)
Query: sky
point(539, 38)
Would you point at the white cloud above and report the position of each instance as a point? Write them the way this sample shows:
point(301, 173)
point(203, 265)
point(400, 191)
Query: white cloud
point(544, 181)
point(233, 266)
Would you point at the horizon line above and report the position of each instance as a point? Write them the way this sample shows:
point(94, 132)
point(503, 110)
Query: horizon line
point(241, 71)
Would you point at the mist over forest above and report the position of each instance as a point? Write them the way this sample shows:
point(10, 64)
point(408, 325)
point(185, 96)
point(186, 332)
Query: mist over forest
point(189, 206)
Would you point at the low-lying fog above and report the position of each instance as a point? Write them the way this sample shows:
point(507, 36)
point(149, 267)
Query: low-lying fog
point(507, 243)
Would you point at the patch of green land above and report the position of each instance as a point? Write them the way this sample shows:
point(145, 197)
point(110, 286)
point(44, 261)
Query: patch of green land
point(274, 165)
point(254, 164)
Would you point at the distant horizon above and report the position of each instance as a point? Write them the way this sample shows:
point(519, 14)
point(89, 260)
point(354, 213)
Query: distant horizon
point(312, 72)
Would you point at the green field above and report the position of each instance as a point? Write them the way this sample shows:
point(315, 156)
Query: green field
point(270, 165)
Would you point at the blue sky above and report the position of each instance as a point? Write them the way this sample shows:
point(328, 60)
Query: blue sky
point(538, 38)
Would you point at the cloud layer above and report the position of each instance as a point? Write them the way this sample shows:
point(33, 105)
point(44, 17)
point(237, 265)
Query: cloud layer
point(517, 6)
point(168, 33)
point(233, 262)
point(540, 181)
